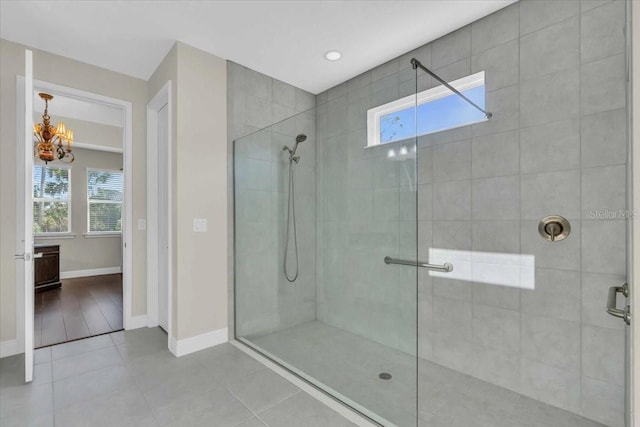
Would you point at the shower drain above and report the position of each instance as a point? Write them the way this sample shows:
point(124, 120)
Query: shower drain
point(385, 376)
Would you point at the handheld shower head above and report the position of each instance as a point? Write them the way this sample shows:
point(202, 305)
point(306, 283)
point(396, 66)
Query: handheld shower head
point(292, 152)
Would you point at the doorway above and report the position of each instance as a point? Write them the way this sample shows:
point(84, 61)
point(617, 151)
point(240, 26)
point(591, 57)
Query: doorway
point(83, 287)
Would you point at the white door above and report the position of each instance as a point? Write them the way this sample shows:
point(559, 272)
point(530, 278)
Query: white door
point(163, 219)
point(24, 241)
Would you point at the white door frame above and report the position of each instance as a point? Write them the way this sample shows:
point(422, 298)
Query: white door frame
point(127, 218)
point(24, 221)
point(160, 99)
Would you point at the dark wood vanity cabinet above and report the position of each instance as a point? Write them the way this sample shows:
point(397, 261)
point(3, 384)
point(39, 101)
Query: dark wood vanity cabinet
point(46, 270)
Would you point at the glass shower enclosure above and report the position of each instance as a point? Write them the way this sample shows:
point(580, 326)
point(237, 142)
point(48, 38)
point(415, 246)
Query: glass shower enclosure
point(406, 251)
point(317, 211)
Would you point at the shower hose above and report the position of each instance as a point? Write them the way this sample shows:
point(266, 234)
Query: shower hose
point(291, 214)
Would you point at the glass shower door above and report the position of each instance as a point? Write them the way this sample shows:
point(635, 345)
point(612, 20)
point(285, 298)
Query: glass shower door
point(313, 226)
point(367, 208)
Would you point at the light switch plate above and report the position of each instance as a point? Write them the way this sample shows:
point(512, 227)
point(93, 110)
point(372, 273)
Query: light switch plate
point(200, 225)
point(142, 224)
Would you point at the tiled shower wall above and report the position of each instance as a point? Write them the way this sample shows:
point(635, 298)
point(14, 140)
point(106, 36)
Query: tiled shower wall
point(265, 301)
point(555, 81)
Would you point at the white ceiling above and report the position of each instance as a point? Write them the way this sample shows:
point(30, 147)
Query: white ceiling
point(284, 39)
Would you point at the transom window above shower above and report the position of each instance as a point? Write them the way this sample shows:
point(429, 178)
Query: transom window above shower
point(433, 110)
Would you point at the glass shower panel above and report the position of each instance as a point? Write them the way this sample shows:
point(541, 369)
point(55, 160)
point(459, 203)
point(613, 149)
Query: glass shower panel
point(265, 301)
point(313, 291)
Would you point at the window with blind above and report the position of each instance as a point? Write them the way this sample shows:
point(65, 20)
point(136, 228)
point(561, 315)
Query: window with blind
point(104, 201)
point(51, 199)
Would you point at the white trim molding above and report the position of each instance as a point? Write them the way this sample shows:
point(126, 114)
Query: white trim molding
point(159, 100)
point(199, 342)
point(91, 272)
point(137, 322)
point(10, 348)
point(101, 234)
point(96, 147)
point(54, 236)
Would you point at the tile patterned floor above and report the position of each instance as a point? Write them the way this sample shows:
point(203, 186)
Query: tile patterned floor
point(350, 364)
point(129, 379)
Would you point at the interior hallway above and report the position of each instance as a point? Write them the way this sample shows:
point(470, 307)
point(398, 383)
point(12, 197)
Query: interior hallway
point(81, 308)
point(129, 378)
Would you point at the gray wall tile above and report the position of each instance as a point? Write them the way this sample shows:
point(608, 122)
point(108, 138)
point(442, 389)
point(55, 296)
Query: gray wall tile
point(603, 355)
point(551, 49)
point(487, 236)
point(496, 155)
point(604, 138)
point(452, 235)
point(549, 98)
point(452, 200)
point(602, 85)
point(603, 189)
point(451, 48)
point(557, 295)
point(552, 342)
point(496, 198)
point(550, 147)
point(551, 193)
point(602, 31)
point(604, 247)
point(537, 14)
point(452, 161)
point(500, 64)
point(495, 29)
point(496, 296)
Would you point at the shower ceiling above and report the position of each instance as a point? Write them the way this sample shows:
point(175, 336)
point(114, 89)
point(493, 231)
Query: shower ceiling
point(284, 39)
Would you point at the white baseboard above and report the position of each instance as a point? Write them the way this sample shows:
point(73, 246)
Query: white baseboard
point(199, 342)
point(137, 322)
point(92, 272)
point(10, 348)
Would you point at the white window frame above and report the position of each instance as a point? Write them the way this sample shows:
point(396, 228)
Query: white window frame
point(56, 234)
point(375, 114)
point(90, 233)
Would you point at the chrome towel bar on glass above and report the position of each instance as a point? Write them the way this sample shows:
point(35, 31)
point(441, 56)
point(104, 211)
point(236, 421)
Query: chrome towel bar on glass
point(447, 267)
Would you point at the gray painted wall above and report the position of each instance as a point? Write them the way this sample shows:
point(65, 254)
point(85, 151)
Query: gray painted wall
point(556, 145)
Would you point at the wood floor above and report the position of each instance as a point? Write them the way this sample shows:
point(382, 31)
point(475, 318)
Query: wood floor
point(82, 307)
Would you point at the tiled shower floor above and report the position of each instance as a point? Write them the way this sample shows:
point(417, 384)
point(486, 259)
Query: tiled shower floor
point(350, 364)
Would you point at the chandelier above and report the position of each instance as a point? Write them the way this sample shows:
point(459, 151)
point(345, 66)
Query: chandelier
point(52, 142)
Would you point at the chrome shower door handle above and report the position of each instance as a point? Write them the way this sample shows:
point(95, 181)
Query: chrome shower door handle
point(612, 309)
point(447, 267)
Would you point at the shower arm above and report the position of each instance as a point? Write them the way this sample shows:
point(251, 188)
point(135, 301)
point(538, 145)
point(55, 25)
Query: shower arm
point(417, 64)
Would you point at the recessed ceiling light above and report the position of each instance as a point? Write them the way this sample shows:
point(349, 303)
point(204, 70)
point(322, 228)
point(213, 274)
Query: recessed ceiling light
point(332, 55)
